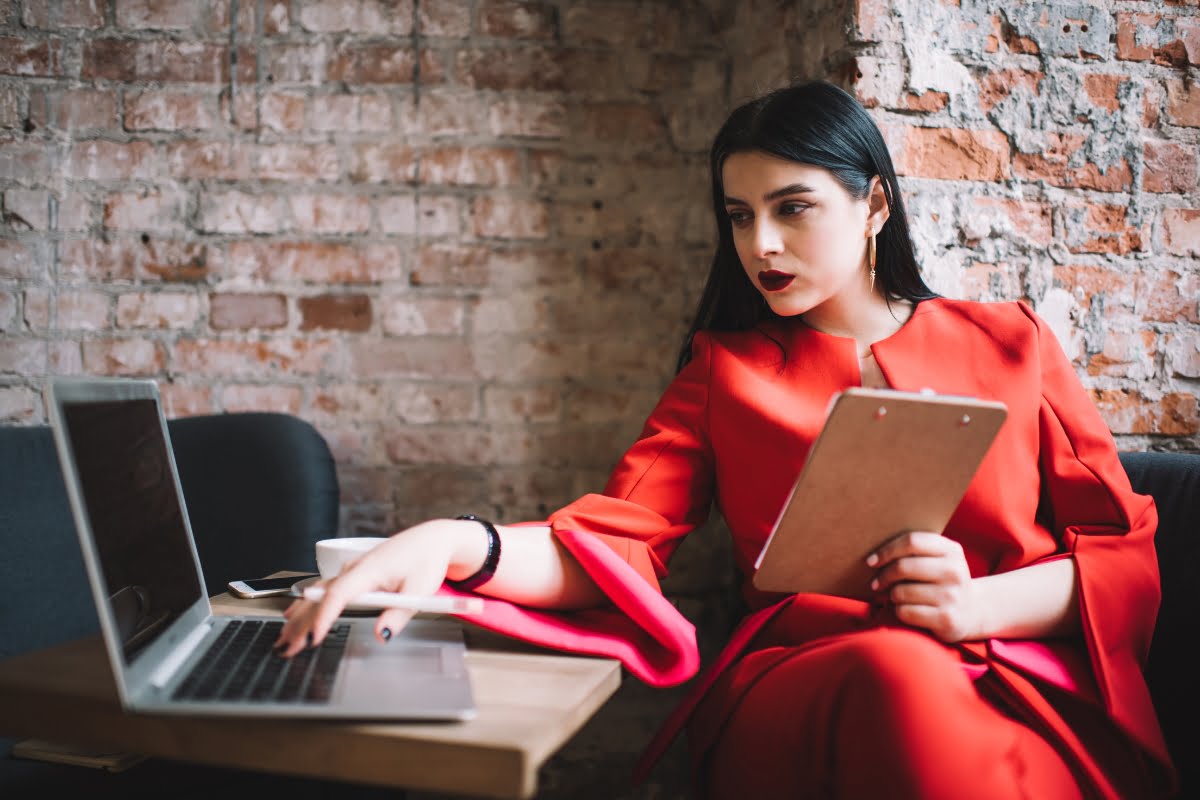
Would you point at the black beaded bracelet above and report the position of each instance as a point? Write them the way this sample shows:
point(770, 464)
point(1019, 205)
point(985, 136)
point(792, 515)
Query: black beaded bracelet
point(484, 573)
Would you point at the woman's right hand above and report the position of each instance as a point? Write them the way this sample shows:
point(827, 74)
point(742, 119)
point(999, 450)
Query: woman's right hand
point(416, 560)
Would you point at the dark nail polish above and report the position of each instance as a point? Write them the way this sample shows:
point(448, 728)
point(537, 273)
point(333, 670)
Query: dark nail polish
point(386, 633)
point(308, 639)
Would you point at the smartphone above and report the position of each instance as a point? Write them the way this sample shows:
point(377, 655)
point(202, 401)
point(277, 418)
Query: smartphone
point(265, 587)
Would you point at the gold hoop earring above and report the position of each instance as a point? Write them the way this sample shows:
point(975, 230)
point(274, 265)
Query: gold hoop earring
point(871, 259)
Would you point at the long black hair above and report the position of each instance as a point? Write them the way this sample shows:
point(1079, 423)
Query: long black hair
point(818, 124)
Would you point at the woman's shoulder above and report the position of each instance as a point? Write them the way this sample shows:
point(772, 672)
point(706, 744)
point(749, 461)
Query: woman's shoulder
point(993, 316)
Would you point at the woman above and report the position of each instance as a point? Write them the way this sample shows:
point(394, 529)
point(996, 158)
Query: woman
point(1003, 658)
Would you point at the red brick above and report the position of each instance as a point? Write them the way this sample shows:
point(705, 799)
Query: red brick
point(412, 357)
point(515, 358)
point(537, 118)
point(1031, 219)
point(448, 18)
point(219, 17)
point(10, 107)
point(246, 311)
point(346, 113)
point(1085, 281)
point(429, 492)
point(1167, 295)
point(239, 212)
point(1103, 90)
point(21, 261)
point(593, 404)
point(28, 209)
point(240, 107)
point(82, 13)
point(444, 113)
point(426, 216)
point(349, 400)
point(471, 166)
point(1170, 167)
point(626, 123)
point(156, 15)
point(283, 111)
point(276, 17)
point(510, 218)
point(1053, 166)
point(22, 356)
point(1100, 228)
point(98, 160)
point(383, 163)
point(286, 63)
point(253, 360)
point(123, 357)
point(1127, 411)
point(158, 60)
point(522, 403)
point(1170, 41)
point(303, 162)
point(520, 311)
point(876, 21)
point(458, 445)
point(148, 210)
point(67, 310)
point(281, 399)
point(427, 403)
point(164, 310)
point(372, 17)
point(518, 20)
point(169, 111)
point(202, 160)
point(345, 312)
point(530, 69)
point(20, 404)
point(360, 64)
point(1181, 231)
point(1183, 354)
point(64, 358)
point(315, 262)
point(422, 316)
point(998, 85)
point(622, 25)
point(75, 212)
point(186, 400)
point(459, 265)
point(30, 57)
point(981, 280)
point(1125, 354)
point(952, 154)
point(132, 259)
point(325, 213)
point(8, 311)
point(1183, 103)
point(74, 109)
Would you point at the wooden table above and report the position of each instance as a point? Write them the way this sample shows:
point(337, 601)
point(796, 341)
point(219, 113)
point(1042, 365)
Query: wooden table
point(531, 701)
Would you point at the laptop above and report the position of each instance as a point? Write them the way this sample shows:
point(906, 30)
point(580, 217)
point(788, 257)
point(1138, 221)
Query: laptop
point(169, 653)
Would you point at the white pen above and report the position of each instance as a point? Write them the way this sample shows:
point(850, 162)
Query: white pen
point(432, 604)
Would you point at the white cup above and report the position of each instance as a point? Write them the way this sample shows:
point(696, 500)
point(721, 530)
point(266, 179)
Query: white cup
point(333, 555)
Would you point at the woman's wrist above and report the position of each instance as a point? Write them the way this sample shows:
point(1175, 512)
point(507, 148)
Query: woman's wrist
point(470, 549)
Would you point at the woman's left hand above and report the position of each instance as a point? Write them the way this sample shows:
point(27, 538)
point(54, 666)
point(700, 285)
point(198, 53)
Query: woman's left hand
point(925, 578)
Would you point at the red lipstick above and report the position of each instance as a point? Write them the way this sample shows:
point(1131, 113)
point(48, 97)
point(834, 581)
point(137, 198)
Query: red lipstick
point(775, 281)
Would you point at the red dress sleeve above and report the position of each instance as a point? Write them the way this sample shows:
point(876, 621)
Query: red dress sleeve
point(660, 490)
point(1108, 530)
point(662, 487)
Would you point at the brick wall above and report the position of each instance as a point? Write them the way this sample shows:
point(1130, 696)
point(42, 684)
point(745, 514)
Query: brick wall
point(462, 237)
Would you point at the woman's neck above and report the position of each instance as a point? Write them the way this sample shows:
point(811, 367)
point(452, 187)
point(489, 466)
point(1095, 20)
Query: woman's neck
point(866, 323)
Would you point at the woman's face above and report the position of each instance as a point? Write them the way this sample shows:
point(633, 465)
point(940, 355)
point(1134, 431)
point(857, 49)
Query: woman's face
point(801, 237)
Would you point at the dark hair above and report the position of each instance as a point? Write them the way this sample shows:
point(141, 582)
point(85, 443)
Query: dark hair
point(813, 123)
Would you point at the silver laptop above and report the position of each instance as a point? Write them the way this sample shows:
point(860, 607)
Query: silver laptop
point(169, 653)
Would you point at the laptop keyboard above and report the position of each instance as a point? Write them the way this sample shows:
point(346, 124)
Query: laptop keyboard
point(242, 665)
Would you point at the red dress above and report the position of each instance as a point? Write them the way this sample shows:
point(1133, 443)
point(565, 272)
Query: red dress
point(735, 425)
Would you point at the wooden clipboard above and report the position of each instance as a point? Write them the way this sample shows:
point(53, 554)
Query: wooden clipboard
point(885, 462)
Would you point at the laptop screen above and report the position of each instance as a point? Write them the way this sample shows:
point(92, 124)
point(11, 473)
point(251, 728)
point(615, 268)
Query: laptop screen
point(132, 505)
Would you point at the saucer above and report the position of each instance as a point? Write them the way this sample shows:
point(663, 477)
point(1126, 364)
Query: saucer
point(351, 609)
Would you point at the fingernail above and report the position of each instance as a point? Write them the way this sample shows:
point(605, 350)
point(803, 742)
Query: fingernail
point(872, 560)
point(386, 633)
point(875, 584)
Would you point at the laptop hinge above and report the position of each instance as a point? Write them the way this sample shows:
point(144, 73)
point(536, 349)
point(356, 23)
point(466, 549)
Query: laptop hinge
point(163, 674)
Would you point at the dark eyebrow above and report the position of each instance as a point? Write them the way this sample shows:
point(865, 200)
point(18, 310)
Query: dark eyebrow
point(783, 191)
